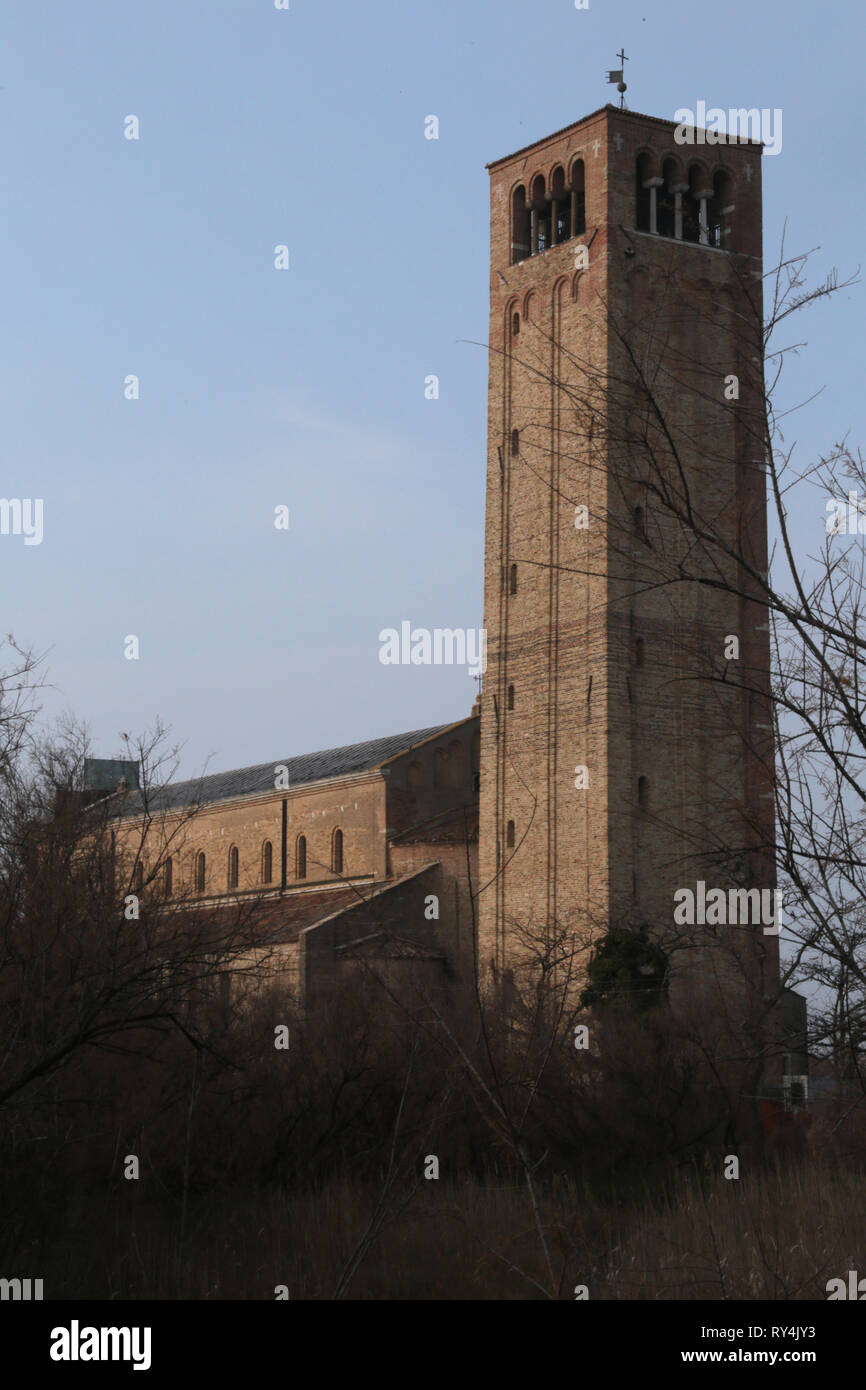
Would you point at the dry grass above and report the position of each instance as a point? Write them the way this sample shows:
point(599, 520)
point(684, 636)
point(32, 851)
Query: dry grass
point(780, 1235)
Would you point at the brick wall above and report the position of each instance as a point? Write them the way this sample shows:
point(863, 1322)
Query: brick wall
point(567, 684)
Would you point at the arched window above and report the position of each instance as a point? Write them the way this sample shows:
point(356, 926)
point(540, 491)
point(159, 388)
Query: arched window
point(267, 862)
point(509, 835)
point(639, 522)
point(138, 877)
point(719, 211)
point(301, 857)
point(540, 213)
point(519, 226)
point(666, 212)
point(578, 199)
point(337, 852)
point(642, 193)
point(509, 703)
point(692, 205)
point(415, 774)
point(560, 208)
point(515, 324)
point(639, 651)
point(200, 871)
point(512, 580)
point(515, 442)
point(167, 876)
point(440, 768)
point(233, 867)
point(642, 793)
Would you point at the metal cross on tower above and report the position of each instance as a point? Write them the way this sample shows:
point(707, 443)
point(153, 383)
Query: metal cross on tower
point(617, 75)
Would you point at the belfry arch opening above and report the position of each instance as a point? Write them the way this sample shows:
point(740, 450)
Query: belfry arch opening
point(683, 204)
point(551, 212)
point(719, 210)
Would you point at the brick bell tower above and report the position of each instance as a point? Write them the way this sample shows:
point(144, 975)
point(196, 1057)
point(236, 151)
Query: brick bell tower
point(626, 748)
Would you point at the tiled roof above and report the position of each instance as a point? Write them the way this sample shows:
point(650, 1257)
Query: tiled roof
point(279, 918)
point(248, 781)
point(384, 945)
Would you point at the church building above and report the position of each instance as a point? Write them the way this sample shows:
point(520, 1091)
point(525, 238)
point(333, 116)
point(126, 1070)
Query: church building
point(621, 749)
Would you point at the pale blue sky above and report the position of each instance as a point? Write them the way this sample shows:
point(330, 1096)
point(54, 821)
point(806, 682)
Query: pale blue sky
point(258, 387)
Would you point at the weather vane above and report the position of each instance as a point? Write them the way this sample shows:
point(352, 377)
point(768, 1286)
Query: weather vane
point(616, 75)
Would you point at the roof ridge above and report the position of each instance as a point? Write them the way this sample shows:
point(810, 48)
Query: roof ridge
point(313, 753)
point(304, 769)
